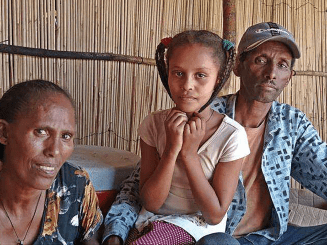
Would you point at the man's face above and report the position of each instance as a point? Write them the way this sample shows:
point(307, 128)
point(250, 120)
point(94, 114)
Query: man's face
point(265, 72)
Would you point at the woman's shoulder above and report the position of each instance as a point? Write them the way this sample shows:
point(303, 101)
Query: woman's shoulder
point(71, 176)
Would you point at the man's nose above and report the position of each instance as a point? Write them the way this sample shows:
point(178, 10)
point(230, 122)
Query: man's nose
point(271, 71)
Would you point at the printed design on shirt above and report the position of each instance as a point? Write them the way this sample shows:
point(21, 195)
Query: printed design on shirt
point(51, 218)
point(91, 215)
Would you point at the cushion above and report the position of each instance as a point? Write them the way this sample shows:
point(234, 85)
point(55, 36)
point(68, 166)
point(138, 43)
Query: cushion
point(107, 166)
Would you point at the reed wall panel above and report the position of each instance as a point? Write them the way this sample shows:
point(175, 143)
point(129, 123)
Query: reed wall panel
point(113, 97)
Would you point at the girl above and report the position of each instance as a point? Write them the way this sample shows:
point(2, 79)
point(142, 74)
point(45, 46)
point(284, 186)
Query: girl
point(191, 155)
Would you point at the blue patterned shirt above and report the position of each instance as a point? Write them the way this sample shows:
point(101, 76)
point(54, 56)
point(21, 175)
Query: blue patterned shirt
point(292, 147)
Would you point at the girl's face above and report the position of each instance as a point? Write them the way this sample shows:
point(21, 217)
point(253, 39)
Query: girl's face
point(192, 76)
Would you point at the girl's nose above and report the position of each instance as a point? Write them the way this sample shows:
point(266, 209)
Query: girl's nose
point(188, 84)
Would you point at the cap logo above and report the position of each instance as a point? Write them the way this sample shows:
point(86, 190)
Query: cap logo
point(272, 30)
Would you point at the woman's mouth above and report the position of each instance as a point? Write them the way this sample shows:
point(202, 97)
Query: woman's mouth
point(49, 170)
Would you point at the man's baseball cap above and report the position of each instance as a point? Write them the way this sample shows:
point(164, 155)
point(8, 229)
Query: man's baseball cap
point(267, 31)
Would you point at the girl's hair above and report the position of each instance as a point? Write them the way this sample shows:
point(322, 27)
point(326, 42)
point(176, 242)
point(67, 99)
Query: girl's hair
point(19, 98)
point(223, 54)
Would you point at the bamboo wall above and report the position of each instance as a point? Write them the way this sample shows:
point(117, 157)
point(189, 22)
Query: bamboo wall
point(113, 97)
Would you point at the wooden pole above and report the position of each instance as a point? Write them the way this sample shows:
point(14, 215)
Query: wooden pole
point(229, 20)
point(11, 49)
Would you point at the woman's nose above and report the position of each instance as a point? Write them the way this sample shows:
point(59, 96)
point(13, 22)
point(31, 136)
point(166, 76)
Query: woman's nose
point(52, 147)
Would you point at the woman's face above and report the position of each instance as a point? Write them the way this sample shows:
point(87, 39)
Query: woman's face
point(192, 76)
point(39, 141)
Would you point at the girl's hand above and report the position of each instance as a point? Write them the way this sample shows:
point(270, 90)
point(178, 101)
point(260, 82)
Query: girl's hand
point(174, 126)
point(194, 132)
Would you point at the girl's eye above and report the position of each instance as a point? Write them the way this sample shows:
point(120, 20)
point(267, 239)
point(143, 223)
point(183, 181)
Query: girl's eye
point(67, 136)
point(41, 131)
point(201, 75)
point(178, 73)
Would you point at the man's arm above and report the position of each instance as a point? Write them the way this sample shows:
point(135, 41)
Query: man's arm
point(309, 164)
point(124, 211)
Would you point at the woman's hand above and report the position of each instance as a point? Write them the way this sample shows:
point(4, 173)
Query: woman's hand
point(174, 126)
point(193, 134)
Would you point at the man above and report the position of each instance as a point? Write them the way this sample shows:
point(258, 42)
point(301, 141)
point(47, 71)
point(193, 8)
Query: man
point(283, 143)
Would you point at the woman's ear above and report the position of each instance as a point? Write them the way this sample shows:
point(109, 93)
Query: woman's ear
point(3, 131)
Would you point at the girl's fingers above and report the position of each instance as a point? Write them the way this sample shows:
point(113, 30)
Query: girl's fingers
point(173, 112)
point(187, 129)
point(177, 118)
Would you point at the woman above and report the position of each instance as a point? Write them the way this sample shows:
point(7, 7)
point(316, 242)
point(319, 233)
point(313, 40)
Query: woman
point(43, 199)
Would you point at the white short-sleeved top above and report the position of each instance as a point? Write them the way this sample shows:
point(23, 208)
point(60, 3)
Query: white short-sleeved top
point(228, 143)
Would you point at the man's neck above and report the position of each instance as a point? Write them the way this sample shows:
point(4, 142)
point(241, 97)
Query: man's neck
point(250, 113)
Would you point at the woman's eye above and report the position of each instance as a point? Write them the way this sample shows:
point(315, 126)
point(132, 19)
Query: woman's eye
point(41, 131)
point(67, 136)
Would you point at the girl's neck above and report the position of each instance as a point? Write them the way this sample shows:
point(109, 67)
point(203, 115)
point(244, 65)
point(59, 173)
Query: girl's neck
point(206, 113)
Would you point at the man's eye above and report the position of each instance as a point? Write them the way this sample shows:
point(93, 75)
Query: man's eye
point(260, 60)
point(283, 66)
point(41, 131)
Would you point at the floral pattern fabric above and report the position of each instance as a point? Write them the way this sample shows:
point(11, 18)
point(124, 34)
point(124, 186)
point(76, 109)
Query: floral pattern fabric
point(71, 212)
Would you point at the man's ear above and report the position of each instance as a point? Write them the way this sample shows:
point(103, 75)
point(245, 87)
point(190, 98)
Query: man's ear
point(237, 67)
point(3, 131)
point(291, 75)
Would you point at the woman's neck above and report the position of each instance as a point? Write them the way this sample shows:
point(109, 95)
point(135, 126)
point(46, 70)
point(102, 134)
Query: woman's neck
point(14, 196)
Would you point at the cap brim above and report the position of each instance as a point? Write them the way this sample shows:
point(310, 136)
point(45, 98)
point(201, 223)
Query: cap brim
point(292, 46)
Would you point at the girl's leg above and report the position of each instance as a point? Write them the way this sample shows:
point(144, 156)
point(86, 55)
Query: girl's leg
point(162, 233)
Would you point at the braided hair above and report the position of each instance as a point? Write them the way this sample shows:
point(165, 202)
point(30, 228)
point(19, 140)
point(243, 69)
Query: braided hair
point(223, 53)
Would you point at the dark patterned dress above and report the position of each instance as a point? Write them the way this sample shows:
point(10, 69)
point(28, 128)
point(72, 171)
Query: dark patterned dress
point(71, 212)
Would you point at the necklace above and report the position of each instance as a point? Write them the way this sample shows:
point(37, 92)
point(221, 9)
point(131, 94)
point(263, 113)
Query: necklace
point(210, 115)
point(21, 242)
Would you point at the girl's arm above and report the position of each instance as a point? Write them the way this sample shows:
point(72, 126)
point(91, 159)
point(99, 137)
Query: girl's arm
point(213, 199)
point(156, 174)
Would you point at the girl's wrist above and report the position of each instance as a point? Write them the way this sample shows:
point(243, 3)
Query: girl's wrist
point(187, 156)
point(170, 152)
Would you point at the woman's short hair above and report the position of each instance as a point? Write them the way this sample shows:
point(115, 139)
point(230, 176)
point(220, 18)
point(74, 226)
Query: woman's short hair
point(19, 97)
